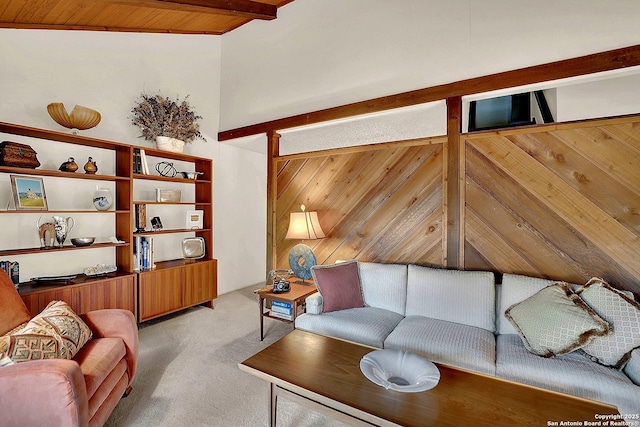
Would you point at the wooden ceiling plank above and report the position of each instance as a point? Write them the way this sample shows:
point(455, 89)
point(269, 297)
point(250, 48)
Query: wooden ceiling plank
point(245, 8)
point(36, 11)
point(31, 11)
point(588, 64)
point(62, 13)
point(11, 10)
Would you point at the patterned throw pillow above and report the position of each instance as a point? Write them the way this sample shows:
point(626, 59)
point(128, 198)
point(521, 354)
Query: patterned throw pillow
point(623, 313)
point(339, 285)
point(5, 340)
point(555, 321)
point(56, 333)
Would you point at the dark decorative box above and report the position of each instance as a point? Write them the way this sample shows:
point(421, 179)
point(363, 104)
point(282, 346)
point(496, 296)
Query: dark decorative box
point(17, 155)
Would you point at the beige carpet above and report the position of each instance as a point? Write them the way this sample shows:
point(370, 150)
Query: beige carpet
point(188, 371)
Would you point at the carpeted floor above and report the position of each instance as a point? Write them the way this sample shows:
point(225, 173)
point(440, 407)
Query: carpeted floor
point(188, 371)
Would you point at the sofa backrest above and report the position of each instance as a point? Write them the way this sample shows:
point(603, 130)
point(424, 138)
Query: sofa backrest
point(515, 288)
point(466, 297)
point(384, 285)
point(13, 312)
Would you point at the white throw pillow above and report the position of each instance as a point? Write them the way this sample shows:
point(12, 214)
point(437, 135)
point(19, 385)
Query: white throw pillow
point(622, 313)
point(555, 321)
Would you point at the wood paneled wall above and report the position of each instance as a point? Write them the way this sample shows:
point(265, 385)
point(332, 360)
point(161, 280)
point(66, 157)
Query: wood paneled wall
point(558, 201)
point(377, 203)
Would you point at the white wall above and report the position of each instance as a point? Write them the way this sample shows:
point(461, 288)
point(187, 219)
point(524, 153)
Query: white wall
point(319, 54)
point(106, 72)
point(611, 97)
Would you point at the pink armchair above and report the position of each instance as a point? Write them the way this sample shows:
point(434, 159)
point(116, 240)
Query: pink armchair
point(78, 392)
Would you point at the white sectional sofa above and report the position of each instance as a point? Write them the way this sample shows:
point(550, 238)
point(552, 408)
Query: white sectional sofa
point(457, 318)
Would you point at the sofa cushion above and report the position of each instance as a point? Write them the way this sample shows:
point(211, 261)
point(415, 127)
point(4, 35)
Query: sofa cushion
point(384, 285)
point(571, 373)
point(514, 289)
point(55, 333)
point(364, 325)
point(555, 321)
point(339, 285)
point(13, 311)
point(622, 313)
point(450, 343)
point(632, 368)
point(466, 297)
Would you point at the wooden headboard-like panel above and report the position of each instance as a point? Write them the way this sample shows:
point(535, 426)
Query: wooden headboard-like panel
point(556, 201)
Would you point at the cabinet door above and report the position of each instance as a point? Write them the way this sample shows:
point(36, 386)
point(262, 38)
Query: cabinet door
point(201, 283)
point(37, 301)
point(118, 292)
point(160, 292)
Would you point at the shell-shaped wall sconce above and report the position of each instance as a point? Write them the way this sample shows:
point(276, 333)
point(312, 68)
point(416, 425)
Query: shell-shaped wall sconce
point(81, 118)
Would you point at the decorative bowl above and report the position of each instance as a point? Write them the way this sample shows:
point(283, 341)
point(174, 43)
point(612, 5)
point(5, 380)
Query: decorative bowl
point(82, 241)
point(399, 370)
point(190, 175)
point(81, 118)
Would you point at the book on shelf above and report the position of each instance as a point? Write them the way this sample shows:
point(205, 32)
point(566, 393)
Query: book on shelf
point(281, 304)
point(281, 315)
point(143, 161)
point(282, 307)
point(137, 163)
point(282, 310)
point(143, 258)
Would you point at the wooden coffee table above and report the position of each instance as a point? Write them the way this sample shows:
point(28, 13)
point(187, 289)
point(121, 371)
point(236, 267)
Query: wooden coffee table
point(324, 374)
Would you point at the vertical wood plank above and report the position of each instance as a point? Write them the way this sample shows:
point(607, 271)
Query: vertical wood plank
point(273, 150)
point(452, 174)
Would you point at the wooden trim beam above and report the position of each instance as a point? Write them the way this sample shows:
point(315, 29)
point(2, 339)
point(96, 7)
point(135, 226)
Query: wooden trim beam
point(594, 63)
point(453, 186)
point(238, 8)
point(273, 150)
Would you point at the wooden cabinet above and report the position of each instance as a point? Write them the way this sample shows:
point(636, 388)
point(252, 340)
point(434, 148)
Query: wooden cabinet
point(175, 285)
point(198, 286)
point(116, 290)
point(172, 284)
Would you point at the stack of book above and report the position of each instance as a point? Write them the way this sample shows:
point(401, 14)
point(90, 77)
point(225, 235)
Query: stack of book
point(143, 253)
point(282, 310)
point(12, 268)
point(140, 164)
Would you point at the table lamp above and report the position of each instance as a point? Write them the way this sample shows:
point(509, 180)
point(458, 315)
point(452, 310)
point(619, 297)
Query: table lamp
point(304, 226)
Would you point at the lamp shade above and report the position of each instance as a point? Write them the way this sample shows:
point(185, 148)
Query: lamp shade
point(304, 226)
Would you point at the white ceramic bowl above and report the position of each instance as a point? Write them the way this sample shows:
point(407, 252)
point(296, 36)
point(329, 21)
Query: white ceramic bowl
point(400, 370)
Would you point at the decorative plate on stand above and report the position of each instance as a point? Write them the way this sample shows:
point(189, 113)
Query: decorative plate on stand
point(301, 259)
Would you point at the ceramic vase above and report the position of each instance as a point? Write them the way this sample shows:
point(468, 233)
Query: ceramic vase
point(102, 199)
point(166, 143)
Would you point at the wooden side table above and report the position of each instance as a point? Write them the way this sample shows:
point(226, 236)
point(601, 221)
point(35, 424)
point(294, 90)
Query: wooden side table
point(295, 297)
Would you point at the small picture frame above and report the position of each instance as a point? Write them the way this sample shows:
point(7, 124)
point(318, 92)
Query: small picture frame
point(28, 193)
point(194, 220)
point(156, 224)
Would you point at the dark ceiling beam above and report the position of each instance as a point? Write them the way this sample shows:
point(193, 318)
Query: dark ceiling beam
point(239, 8)
point(589, 64)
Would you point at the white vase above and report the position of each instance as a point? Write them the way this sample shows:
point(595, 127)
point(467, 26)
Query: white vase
point(166, 143)
point(102, 199)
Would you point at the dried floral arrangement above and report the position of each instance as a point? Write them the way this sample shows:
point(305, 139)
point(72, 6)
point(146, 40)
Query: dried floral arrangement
point(157, 115)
